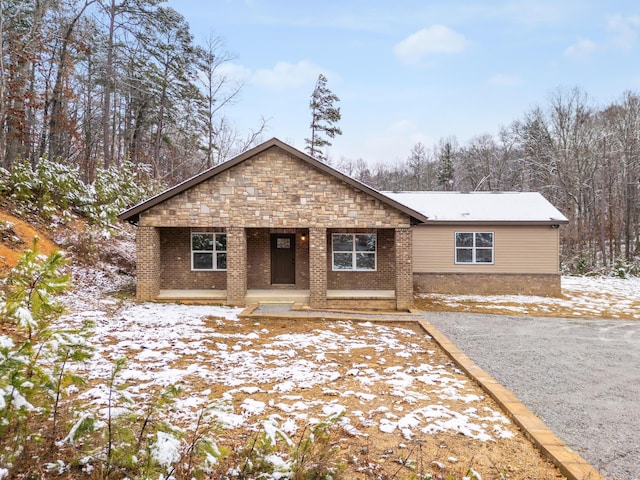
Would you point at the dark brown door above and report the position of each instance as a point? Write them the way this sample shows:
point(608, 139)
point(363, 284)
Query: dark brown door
point(283, 258)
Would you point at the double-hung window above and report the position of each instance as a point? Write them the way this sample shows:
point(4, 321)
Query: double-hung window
point(474, 247)
point(208, 251)
point(354, 251)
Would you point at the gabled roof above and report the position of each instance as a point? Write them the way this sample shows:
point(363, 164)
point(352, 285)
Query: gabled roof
point(482, 207)
point(132, 214)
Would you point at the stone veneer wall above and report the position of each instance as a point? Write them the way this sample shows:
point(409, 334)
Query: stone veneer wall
point(274, 189)
point(175, 258)
point(488, 283)
point(384, 278)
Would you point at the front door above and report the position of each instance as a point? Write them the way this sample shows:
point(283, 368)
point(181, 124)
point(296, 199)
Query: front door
point(283, 258)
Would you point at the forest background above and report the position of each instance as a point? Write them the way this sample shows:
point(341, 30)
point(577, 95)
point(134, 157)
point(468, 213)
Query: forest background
point(100, 86)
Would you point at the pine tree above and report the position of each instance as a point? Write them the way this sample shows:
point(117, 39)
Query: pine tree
point(324, 117)
point(445, 167)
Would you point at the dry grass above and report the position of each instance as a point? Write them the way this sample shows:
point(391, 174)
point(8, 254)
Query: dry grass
point(365, 383)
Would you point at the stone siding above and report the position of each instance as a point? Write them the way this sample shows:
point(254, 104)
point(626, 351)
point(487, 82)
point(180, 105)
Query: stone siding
point(488, 284)
point(273, 190)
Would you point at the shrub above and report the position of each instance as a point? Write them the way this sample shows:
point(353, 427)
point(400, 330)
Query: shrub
point(53, 189)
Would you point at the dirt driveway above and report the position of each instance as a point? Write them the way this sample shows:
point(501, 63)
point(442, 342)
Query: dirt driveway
point(580, 376)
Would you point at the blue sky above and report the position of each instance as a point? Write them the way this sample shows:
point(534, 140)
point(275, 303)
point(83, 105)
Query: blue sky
point(413, 71)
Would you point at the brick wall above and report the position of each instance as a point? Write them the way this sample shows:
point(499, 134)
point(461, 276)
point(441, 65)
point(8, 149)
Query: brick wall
point(384, 276)
point(175, 257)
point(488, 284)
point(259, 256)
point(404, 268)
point(318, 267)
point(148, 264)
point(236, 266)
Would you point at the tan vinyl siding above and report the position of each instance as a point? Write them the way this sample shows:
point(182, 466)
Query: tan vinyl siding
point(517, 249)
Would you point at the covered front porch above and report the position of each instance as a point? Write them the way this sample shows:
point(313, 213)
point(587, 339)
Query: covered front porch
point(336, 299)
point(303, 266)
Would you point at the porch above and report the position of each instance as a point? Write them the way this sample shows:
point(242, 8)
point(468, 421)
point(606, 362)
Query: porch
point(336, 299)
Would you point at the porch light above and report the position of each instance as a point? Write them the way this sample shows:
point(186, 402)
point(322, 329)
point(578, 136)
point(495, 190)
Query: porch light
point(303, 237)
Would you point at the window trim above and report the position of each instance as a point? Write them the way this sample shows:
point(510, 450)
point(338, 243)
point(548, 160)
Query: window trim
point(214, 253)
point(474, 248)
point(354, 252)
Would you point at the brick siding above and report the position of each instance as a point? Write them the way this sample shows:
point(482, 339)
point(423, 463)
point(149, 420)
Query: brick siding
point(175, 258)
point(488, 284)
point(404, 268)
point(318, 267)
point(147, 263)
point(236, 266)
point(381, 279)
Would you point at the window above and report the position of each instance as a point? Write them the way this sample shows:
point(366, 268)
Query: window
point(354, 251)
point(474, 247)
point(208, 251)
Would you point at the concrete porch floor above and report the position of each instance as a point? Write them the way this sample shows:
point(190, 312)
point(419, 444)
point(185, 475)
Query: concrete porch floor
point(275, 295)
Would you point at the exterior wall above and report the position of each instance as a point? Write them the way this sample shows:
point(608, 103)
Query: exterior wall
point(236, 266)
point(517, 249)
point(384, 278)
point(488, 284)
point(275, 190)
point(526, 261)
point(259, 257)
point(175, 258)
point(404, 278)
point(317, 267)
point(148, 263)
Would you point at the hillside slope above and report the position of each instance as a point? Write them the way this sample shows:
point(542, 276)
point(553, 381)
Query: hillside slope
point(16, 235)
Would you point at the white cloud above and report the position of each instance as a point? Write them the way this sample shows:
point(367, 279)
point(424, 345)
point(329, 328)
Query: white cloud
point(235, 72)
point(624, 30)
point(503, 80)
point(437, 39)
point(583, 48)
point(285, 75)
point(622, 35)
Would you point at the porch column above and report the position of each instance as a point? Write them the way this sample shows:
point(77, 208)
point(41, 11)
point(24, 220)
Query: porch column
point(148, 263)
point(236, 266)
point(317, 267)
point(404, 268)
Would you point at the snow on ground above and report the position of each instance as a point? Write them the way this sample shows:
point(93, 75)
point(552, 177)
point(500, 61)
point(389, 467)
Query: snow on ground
point(301, 377)
point(383, 378)
point(607, 297)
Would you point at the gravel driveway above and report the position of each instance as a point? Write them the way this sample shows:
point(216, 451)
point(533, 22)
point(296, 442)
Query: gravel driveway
point(580, 376)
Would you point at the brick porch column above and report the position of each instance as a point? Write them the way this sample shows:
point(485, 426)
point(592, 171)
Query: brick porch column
point(148, 263)
point(236, 266)
point(317, 267)
point(404, 268)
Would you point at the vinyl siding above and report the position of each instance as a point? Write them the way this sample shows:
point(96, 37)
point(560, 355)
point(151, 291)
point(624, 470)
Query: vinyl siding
point(517, 249)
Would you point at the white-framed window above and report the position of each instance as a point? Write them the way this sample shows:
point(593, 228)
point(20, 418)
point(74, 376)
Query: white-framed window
point(208, 251)
point(474, 247)
point(354, 251)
